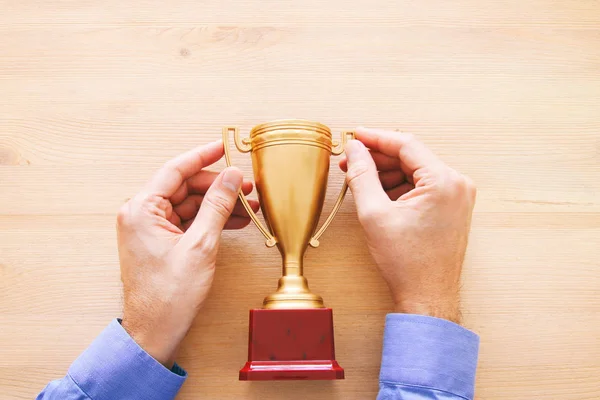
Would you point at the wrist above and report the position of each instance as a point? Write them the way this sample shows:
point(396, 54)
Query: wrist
point(447, 309)
point(155, 339)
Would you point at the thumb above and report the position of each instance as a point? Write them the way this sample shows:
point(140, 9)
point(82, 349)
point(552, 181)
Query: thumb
point(217, 204)
point(363, 180)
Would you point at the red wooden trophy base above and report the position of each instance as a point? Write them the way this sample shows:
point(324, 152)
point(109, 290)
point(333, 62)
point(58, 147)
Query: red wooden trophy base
point(291, 344)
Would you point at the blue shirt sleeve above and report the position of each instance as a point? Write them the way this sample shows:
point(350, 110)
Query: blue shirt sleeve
point(426, 358)
point(116, 367)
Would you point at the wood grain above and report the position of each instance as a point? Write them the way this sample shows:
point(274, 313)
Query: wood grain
point(96, 95)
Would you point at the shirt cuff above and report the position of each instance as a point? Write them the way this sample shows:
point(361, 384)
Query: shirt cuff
point(116, 367)
point(429, 352)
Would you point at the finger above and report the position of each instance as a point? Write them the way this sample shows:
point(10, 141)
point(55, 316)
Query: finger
point(186, 224)
point(237, 222)
point(383, 162)
point(391, 179)
point(232, 223)
point(175, 219)
point(172, 175)
point(343, 164)
point(247, 187)
point(395, 193)
point(413, 154)
point(217, 205)
point(199, 184)
point(180, 194)
point(190, 206)
point(363, 179)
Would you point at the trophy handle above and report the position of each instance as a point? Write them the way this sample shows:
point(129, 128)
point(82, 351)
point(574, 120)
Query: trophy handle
point(244, 146)
point(338, 148)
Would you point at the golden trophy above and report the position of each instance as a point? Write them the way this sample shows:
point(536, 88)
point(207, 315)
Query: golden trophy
point(291, 337)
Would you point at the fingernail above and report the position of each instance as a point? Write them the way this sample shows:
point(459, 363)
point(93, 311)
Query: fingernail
point(354, 148)
point(232, 179)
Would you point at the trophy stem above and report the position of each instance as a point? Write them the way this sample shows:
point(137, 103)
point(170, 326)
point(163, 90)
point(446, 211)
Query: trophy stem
point(292, 266)
point(292, 291)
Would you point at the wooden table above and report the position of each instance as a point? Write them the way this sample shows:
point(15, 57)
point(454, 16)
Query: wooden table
point(95, 95)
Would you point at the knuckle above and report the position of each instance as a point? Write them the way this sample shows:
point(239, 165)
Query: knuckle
point(165, 206)
point(147, 202)
point(123, 216)
point(206, 244)
point(471, 187)
point(356, 170)
point(455, 180)
point(220, 204)
point(408, 137)
point(140, 211)
point(456, 185)
point(136, 207)
point(372, 213)
point(171, 165)
point(148, 198)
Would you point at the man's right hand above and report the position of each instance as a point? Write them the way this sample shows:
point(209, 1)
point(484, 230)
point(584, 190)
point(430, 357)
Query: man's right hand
point(168, 237)
point(416, 213)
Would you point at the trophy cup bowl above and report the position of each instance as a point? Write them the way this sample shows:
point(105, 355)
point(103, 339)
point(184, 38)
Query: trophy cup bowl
point(291, 337)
